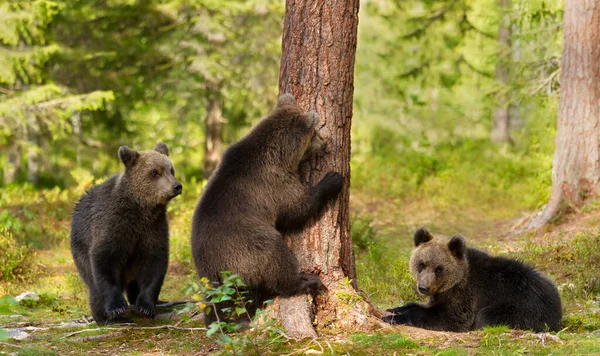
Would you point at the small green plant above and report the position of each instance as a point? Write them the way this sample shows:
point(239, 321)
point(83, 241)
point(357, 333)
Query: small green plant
point(230, 296)
point(362, 231)
point(5, 304)
point(15, 259)
point(346, 295)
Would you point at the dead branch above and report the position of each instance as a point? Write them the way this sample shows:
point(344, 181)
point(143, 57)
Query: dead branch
point(11, 345)
point(98, 337)
point(130, 327)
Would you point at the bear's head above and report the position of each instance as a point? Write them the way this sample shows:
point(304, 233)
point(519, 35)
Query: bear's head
point(150, 175)
point(437, 263)
point(297, 130)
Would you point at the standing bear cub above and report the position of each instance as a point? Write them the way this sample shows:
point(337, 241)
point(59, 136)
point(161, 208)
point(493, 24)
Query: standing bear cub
point(256, 195)
point(120, 235)
point(469, 289)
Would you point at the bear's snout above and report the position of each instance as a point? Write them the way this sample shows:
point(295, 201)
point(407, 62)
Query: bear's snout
point(177, 188)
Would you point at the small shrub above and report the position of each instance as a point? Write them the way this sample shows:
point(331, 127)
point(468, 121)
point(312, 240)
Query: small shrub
point(382, 272)
point(231, 290)
point(15, 258)
point(362, 231)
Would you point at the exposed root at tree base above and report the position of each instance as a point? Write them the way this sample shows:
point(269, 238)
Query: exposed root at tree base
point(339, 308)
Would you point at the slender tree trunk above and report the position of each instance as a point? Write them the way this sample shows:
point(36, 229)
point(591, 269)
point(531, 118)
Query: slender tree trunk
point(576, 167)
point(317, 67)
point(213, 143)
point(33, 150)
point(501, 130)
point(76, 124)
point(12, 166)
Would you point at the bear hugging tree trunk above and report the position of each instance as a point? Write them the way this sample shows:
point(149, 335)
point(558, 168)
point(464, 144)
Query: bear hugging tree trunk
point(317, 67)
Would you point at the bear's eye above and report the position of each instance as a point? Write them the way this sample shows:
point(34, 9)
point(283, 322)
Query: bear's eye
point(439, 270)
point(154, 173)
point(172, 171)
point(421, 266)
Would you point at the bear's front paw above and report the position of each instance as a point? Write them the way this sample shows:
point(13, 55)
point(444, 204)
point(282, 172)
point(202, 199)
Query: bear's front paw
point(311, 284)
point(395, 319)
point(331, 184)
point(145, 308)
point(116, 307)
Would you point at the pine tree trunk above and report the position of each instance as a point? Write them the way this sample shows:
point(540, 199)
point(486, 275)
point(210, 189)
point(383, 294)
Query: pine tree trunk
point(213, 143)
point(576, 167)
point(501, 130)
point(33, 150)
point(12, 166)
point(317, 67)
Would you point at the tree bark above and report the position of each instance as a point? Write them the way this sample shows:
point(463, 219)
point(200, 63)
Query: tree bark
point(317, 67)
point(576, 167)
point(213, 143)
point(501, 129)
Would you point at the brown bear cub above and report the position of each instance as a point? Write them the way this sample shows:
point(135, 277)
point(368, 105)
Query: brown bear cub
point(469, 289)
point(120, 235)
point(256, 195)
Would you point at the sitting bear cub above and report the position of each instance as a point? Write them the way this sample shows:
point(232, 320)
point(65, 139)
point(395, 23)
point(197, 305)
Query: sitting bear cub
point(255, 196)
point(469, 289)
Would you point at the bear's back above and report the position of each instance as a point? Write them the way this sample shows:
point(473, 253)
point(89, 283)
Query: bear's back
point(526, 292)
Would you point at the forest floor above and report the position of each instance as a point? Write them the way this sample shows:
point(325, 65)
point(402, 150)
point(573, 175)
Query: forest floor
point(568, 251)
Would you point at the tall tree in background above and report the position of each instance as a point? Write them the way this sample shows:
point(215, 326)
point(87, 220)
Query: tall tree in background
point(213, 142)
point(501, 128)
point(317, 67)
point(576, 167)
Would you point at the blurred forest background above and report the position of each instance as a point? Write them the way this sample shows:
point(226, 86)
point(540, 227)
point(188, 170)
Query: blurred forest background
point(79, 78)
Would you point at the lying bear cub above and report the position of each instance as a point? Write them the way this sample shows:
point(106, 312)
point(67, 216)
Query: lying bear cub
point(469, 289)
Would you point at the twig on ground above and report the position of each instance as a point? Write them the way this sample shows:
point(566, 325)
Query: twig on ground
point(169, 327)
point(8, 344)
point(98, 337)
point(308, 350)
point(174, 303)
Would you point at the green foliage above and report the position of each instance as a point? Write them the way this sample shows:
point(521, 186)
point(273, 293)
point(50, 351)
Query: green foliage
point(424, 103)
point(388, 341)
point(15, 258)
point(362, 232)
point(231, 294)
point(383, 271)
point(5, 304)
point(83, 77)
point(37, 217)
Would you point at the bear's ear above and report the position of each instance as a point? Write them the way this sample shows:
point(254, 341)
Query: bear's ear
point(458, 246)
point(422, 236)
point(161, 147)
point(128, 156)
point(286, 100)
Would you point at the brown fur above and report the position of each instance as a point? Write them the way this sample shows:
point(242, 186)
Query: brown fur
point(253, 197)
point(120, 235)
point(432, 255)
point(469, 289)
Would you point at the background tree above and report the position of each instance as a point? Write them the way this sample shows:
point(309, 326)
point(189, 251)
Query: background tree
point(501, 128)
point(576, 167)
point(317, 67)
